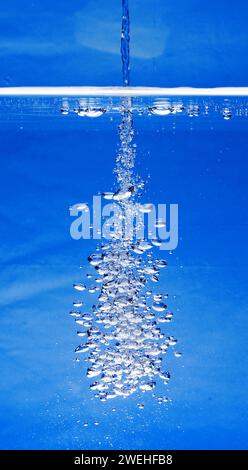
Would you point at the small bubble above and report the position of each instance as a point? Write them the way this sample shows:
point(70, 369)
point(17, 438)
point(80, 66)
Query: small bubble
point(227, 114)
point(159, 307)
point(146, 208)
point(161, 110)
point(160, 263)
point(82, 206)
point(160, 223)
point(108, 195)
point(156, 242)
point(157, 297)
point(162, 400)
point(65, 108)
point(78, 303)
point(79, 286)
point(171, 340)
point(74, 313)
point(178, 354)
point(81, 349)
point(147, 386)
point(91, 112)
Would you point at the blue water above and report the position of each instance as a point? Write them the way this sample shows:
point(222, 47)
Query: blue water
point(50, 161)
point(78, 43)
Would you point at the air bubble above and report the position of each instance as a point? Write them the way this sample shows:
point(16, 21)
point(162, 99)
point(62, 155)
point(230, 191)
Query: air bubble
point(227, 114)
point(91, 112)
point(81, 349)
point(160, 223)
point(159, 307)
point(178, 354)
point(146, 208)
point(79, 287)
point(74, 313)
point(78, 303)
point(161, 110)
point(108, 195)
point(123, 195)
point(65, 108)
point(82, 206)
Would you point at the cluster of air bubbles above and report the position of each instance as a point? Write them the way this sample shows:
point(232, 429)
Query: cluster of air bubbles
point(90, 112)
point(123, 334)
point(65, 108)
point(193, 110)
point(227, 113)
point(83, 110)
point(161, 109)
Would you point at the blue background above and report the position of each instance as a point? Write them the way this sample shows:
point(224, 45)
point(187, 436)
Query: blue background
point(49, 163)
point(174, 43)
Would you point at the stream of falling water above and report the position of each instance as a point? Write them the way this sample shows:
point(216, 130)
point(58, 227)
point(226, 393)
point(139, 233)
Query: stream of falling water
point(125, 39)
point(122, 334)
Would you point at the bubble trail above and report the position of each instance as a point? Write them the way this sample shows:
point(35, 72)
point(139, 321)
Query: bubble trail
point(123, 339)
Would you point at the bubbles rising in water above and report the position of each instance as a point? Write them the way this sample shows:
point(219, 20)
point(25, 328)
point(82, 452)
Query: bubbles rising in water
point(227, 114)
point(123, 340)
point(125, 38)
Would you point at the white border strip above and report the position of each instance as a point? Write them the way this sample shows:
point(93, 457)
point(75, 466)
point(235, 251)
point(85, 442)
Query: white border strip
point(66, 91)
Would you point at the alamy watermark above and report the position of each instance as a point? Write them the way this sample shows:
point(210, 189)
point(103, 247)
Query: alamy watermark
point(126, 221)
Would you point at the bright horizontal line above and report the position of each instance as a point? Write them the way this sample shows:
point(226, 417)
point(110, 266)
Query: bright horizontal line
point(65, 91)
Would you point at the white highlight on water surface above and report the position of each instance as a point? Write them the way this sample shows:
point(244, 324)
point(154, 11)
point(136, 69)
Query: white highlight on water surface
point(121, 91)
